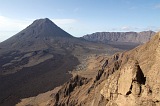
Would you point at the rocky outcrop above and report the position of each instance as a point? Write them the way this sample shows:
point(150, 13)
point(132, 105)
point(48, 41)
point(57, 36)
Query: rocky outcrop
point(127, 87)
point(135, 37)
point(62, 98)
point(136, 82)
point(131, 78)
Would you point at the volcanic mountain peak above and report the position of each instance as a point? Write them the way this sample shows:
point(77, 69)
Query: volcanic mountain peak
point(43, 23)
point(35, 35)
point(40, 28)
point(45, 27)
point(43, 20)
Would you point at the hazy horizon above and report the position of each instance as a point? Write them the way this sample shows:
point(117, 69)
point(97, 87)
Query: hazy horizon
point(80, 17)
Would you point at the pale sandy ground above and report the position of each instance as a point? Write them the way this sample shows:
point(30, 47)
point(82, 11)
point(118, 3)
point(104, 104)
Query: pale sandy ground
point(41, 99)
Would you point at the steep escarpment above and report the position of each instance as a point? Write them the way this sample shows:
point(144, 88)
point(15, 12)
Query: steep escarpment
point(136, 83)
point(135, 37)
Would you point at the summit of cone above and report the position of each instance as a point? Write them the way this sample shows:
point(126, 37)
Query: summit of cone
point(37, 35)
point(45, 27)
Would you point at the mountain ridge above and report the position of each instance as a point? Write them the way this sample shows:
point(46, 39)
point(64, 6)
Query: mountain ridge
point(105, 37)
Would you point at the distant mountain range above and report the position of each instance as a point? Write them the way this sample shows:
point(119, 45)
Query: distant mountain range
point(134, 37)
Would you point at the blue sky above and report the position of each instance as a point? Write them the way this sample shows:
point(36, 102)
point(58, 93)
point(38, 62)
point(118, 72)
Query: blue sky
point(80, 17)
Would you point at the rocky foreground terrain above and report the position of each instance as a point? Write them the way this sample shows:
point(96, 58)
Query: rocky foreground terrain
point(125, 79)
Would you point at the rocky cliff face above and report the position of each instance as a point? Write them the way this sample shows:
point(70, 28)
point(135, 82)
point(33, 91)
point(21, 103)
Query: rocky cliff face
point(134, 37)
point(136, 82)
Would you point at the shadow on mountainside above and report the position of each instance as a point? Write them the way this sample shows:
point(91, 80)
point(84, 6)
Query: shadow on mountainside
point(37, 79)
